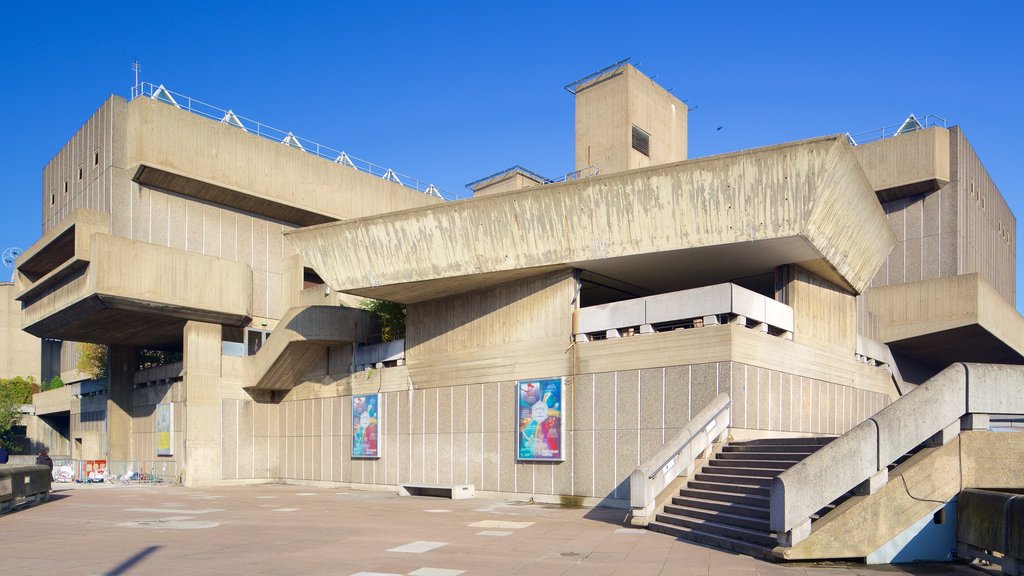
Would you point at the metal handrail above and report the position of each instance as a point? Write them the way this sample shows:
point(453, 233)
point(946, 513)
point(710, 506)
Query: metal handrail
point(927, 121)
point(705, 428)
point(189, 104)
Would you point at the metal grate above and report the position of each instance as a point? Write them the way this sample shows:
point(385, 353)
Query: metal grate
point(641, 142)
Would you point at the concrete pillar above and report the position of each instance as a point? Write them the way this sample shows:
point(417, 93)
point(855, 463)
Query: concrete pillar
point(202, 403)
point(974, 422)
point(121, 364)
point(873, 484)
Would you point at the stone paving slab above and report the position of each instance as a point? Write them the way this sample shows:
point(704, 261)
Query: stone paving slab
point(281, 529)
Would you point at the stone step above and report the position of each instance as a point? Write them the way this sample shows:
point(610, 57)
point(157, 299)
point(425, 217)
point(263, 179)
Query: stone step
point(723, 542)
point(788, 456)
point(747, 500)
point(748, 522)
point(770, 448)
point(759, 481)
point(737, 471)
point(729, 487)
point(820, 440)
point(740, 463)
point(735, 532)
point(760, 512)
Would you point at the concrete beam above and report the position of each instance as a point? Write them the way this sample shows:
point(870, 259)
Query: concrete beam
point(774, 205)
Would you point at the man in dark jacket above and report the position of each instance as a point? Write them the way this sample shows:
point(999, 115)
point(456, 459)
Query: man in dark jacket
point(44, 459)
point(3, 455)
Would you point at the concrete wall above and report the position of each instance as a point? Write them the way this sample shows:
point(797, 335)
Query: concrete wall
point(20, 352)
point(467, 433)
point(824, 314)
point(103, 134)
point(608, 108)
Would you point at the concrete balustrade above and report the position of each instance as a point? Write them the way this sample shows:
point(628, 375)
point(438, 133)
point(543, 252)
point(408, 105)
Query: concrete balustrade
point(705, 304)
point(989, 520)
point(859, 459)
point(378, 355)
point(675, 458)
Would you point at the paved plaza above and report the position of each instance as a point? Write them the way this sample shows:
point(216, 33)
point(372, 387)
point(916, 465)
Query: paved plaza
point(286, 529)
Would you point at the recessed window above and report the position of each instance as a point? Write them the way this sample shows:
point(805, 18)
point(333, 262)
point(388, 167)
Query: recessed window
point(79, 173)
point(65, 186)
point(641, 141)
point(53, 198)
point(96, 158)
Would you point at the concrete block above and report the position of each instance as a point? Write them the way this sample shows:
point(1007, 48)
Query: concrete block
point(711, 321)
point(778, 314)
point(799, 533)
point(946, 435)
point(610, 316)
point(995, 389)
point(872, 484)
point(747, 303)
point(611, 334)
point(694, 303)
point(646, 329)
point(974, 422)
point(905, 424)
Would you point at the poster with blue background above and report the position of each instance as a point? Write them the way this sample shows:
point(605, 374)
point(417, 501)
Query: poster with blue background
point(365, 420)
point(540, 419)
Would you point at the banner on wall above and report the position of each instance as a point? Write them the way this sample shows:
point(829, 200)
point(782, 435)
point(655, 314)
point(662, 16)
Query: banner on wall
point(540, 419)
point(365, 422)
point(165, 429)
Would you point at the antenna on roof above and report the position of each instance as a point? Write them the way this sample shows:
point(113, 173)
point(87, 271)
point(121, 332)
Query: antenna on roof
point(136, 67)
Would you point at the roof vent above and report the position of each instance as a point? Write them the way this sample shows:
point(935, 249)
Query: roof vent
point(164, 95)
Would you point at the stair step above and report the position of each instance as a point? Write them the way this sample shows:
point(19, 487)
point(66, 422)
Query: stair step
point(820, 440)
point(737, 463)
point(749, 522)
point(717, 528)
point(791, 456)
point(761, 512)
point(736, 471)
point(723, 542)
point(728, 487)
point(740, 470)
point(745, 499)
point(759, 481)
point(772, 448)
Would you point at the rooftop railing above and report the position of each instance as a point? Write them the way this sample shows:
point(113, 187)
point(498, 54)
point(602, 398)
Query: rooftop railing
point(911, 124)
point(227, 116)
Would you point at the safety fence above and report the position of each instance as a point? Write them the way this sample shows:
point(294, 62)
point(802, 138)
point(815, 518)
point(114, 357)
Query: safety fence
point(118, 472)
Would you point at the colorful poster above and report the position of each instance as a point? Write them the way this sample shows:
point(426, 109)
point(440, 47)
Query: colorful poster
point(540, 419)
point(164, 429)
point(365, 421)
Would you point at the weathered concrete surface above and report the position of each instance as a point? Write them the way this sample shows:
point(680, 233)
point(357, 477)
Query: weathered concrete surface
point(299, 338)
point(138, 293)
point(203, 430)
point(995, 389)
point(19, 350)
point(956, 318)
point(908, 164)
point(762, 208)
point(192, 155)
point(862, 524)
point(991, 520)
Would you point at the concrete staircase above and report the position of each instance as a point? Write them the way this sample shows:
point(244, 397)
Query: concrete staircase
point(726, 504)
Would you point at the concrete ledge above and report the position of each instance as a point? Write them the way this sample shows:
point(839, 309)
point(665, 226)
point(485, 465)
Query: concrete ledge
point(453, 491)
point(23, 485)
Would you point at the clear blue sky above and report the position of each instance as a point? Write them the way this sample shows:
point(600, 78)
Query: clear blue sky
point(450, 92)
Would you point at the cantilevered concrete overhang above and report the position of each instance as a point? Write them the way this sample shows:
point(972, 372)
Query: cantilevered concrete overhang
point(951, 319)
point(663, 228)
point(111, 290)
point(907, 164)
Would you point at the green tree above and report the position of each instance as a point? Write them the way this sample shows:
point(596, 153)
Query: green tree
point(92, 359)
point(13, 393)
point(53, 384)
point(390, 316)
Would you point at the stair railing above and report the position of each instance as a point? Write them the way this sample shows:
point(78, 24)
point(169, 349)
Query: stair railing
point(960, 397)
point(675, 457)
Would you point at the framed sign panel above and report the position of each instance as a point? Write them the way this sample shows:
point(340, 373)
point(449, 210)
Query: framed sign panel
point(365, 426)
point(540, 419)
point(165, 429)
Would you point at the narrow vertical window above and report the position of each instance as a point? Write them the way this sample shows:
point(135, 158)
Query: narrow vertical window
point(96, 158)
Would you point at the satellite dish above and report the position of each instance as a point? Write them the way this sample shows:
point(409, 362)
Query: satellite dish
point(10, 257)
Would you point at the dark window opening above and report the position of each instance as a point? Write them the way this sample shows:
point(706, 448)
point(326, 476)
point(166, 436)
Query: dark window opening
point(65, 186)
point(53, 199)
point(79, 173)
point(95, 158)
point(310, 278)
point(641, 141)
point(254, 340)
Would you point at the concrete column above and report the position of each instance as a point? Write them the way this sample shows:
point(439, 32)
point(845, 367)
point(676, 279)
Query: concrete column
point(202, 403)
point(121, 364)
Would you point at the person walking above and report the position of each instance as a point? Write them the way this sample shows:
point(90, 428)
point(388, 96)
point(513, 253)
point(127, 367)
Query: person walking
point(44, 459)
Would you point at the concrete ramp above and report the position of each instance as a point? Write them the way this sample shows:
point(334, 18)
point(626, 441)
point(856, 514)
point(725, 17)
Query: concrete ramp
point(301, 335)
